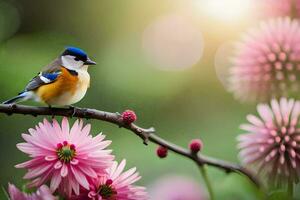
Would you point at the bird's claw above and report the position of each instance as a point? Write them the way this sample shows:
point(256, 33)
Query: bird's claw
point(74, 110)
point(52, 115)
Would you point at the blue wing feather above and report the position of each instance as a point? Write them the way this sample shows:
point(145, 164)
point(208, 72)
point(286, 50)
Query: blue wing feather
point(51, 76)
point(42, 79)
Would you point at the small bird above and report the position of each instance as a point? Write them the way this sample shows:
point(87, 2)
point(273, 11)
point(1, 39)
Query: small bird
point(63, 82)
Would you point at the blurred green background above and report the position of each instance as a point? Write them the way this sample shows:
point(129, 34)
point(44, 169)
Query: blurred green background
point(166, 75)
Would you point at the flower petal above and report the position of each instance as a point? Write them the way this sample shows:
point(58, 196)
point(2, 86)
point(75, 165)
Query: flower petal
point(79, 176)
point(64, 170)
point(55, 181)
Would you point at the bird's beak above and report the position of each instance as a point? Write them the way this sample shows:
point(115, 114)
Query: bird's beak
point(89, 62)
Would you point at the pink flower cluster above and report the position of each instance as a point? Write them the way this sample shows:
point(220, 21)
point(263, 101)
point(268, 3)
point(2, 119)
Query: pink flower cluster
point(272, 141)
point(266, 63)
point(76, 164)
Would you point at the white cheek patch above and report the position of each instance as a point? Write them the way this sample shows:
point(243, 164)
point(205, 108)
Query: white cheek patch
point(69, 62)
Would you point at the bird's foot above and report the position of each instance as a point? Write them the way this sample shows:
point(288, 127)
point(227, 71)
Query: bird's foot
point(74, 110)
point(52, 115)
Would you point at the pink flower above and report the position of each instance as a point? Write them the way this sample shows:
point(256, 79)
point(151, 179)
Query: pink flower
point(267, 61)
point(176, 188)
point(115, 185)
point(42, 193)
point(66, 157)
point(272, 141)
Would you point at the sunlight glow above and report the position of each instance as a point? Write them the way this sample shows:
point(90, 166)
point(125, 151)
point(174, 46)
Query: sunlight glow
point(223, 61)
point(226, 10)
point(172, 42)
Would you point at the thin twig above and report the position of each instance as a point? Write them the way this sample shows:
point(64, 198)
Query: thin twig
point(145, 134)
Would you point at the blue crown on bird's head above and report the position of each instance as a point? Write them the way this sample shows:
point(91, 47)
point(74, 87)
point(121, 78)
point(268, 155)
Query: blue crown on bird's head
point(74, 51)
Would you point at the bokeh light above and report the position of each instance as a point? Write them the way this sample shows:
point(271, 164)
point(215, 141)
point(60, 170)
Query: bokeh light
point(274, 8)
point(9, 20)
point(223, 63)
point(175, 187)
point(173, 43)
point(226, 10)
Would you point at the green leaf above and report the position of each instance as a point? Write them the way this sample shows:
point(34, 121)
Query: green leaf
point(278, 195)
point(3, 194)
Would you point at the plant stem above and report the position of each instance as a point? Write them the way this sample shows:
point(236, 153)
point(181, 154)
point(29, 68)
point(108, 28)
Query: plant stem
point(290, 190)
point(207, 182)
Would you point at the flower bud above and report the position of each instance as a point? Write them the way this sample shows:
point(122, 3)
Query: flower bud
point(128, 116)
point(195, 145)
point(162, 152)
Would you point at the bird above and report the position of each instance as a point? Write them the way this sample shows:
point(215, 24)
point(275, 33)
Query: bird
point(61, 83)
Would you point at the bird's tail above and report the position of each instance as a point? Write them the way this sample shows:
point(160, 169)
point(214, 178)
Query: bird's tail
point(23, 96)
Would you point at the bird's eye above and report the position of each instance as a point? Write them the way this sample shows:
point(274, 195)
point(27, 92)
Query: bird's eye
point(77, 59)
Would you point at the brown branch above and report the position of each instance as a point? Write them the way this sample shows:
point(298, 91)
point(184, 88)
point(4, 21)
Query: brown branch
point(145, 134)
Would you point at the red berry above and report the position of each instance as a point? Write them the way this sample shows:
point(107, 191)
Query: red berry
point(162, 152)
point(128, 116)
point(196, 145)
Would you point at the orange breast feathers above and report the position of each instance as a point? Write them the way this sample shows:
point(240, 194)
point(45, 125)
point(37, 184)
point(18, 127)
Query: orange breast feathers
point(65, 84)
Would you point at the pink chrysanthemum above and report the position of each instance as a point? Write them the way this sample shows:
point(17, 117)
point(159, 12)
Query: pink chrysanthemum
point(267, 61)
point(115, 185)
point(176, 188)
point(272, 141)
point(42, 193)
point(66, 157)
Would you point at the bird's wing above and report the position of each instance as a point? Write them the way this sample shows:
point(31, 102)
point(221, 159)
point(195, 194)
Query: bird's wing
point(48, 75)
point(42, 78)
point(55, 65)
